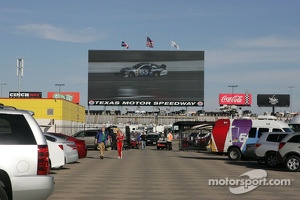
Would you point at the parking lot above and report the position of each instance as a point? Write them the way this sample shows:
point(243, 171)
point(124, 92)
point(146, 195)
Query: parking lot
point(159, 174)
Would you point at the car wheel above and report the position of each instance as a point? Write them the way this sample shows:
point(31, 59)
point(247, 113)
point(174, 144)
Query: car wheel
point(271, 160)
point(293, 163)
point(131, 74)
point(3, 195)
point(157, 74)
point(234, 154)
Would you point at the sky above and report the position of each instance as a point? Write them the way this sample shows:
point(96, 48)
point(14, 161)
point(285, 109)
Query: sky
point(252, 44)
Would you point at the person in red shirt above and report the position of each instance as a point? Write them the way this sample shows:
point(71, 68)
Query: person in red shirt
point(120, 139)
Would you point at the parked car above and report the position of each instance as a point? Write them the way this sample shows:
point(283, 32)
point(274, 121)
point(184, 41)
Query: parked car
point(24, 157)
point(89, 137)
point(193, 137)
point(56, 155)
point(152, 139)
point(81, 146)
point(161, 143)
point(134, 141)
point(289, 152)
point(203, 140)
point(267, 146)
point(144, 69)
point(69, 147)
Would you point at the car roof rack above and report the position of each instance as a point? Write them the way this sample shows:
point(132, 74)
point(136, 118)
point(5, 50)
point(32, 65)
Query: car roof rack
point(2, 106)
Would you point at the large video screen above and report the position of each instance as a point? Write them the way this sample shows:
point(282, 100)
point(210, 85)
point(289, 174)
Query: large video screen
point(270, 100)
point(146, 78)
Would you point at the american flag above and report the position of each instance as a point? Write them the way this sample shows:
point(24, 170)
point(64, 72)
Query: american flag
point(123, 44)
point(149, 43)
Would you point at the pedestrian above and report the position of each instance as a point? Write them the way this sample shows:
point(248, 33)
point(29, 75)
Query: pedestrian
point(101, 139)
point(138, 138)
point(120, 139)
point(112, 132)
point(169, 141)
point(144, 140)
point(127, 131)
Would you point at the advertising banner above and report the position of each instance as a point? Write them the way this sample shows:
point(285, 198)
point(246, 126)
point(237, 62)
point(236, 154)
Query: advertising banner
point(25, 95)
point(69, 96)
point(273, 100)
point(235, 99)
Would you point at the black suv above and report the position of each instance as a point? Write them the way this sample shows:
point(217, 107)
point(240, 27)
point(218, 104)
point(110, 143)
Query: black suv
point(152, 138)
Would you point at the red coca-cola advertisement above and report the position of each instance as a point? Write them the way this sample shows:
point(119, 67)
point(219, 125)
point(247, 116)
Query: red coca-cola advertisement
point(235, 99)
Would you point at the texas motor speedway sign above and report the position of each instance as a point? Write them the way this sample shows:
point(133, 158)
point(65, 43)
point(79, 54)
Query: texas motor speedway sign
point(144, 103)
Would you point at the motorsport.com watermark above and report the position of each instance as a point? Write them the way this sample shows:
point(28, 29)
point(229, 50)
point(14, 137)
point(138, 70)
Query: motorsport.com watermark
point(256, 177)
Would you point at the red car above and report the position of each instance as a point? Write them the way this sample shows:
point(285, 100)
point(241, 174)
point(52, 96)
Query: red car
point(81, 146)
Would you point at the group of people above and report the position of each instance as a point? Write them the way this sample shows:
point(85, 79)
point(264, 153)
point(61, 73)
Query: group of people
point(102, 137)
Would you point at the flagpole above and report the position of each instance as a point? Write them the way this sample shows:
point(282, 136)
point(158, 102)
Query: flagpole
point(146, 41)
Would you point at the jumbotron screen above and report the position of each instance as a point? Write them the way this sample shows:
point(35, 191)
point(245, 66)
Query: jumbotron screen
point(270, 100)
point(145, 78)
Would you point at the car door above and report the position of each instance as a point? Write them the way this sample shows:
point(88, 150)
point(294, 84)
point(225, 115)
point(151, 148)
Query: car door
point(90, 138)
point(144, 70)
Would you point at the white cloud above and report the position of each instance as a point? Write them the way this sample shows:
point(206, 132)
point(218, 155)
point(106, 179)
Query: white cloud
point(242, 56)
point(47, 31)
point(256, 50)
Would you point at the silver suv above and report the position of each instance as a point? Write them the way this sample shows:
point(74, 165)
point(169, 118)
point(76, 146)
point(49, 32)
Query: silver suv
point(266, 147)
point(24, 157)
point(289, 152)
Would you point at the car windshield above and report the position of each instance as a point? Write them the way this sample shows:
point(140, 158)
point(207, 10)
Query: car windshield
point(288, 130)
point(137, 65)
point(152, 136)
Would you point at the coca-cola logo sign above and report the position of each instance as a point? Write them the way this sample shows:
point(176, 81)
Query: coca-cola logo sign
point(235, 99)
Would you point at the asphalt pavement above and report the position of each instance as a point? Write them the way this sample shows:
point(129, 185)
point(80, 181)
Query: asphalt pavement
point(160, 174)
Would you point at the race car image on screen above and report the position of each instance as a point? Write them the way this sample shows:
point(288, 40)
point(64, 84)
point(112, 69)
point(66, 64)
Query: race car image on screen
point(144, 69)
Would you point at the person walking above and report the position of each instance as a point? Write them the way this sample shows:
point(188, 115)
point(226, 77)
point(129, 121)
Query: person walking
point(169, 141)
point(101, 139)
point(120, 139)
point(143, 140)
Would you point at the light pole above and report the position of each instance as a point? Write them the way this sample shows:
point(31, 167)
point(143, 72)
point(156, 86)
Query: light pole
point(20, 71)
point(291, 92)
point(2, 84)
point(232, 88)
point(232, 93)
point(59, 87)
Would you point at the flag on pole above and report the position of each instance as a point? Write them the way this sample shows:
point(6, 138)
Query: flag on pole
point(149, 43)
point(173, 44)
point(123, 44)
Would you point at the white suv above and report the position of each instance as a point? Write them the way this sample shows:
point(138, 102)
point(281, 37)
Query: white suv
point(24, 157)
point(289, 152)
point(267, 146)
